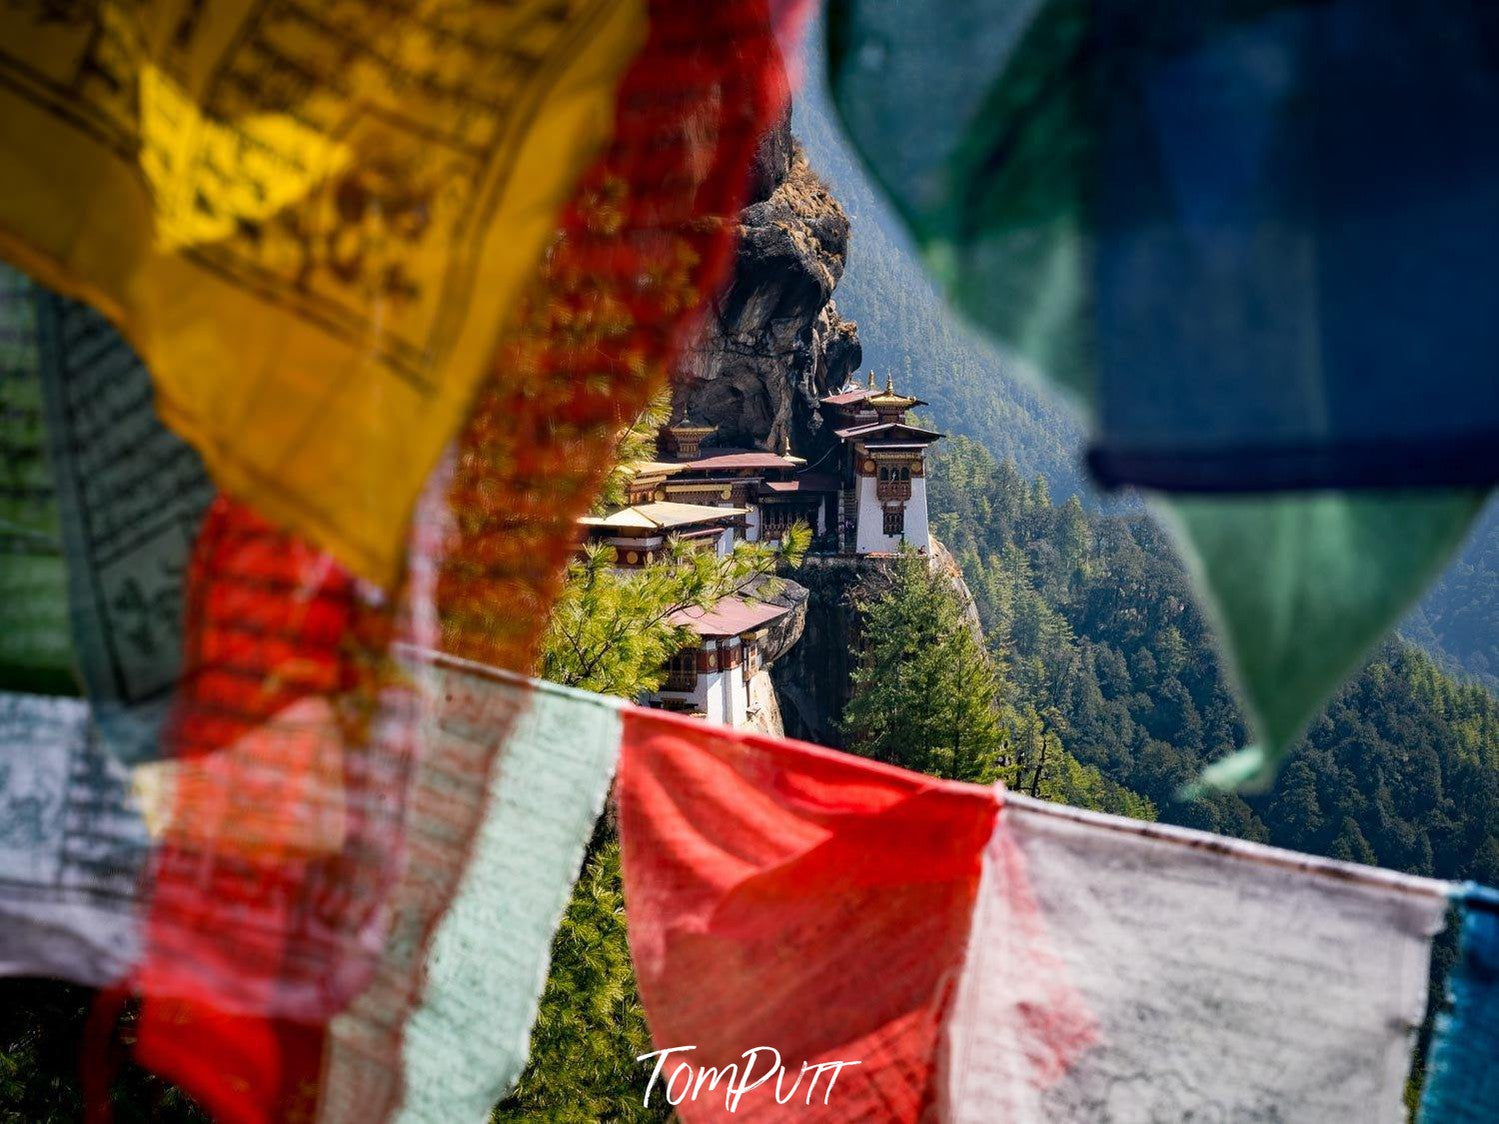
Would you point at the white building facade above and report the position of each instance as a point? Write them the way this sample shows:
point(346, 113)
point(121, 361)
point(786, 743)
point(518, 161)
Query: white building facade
point(712, 676)
point(883, 502)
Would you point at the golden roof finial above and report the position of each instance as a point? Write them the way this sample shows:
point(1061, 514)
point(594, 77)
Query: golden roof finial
point(685, 423)
point(785, 443)
point(888, 399)
point(871, 378)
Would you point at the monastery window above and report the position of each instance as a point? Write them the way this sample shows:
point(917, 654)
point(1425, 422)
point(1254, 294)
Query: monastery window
point(897, 486)
point(681, 671)
point(776, 520)
point(895, 522)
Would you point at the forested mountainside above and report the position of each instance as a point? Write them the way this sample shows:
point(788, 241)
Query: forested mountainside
point(973, 392)
point(1094, 617)
point(1459, 619)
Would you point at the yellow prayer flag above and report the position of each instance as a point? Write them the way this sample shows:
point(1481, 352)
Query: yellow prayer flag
point(312, 218)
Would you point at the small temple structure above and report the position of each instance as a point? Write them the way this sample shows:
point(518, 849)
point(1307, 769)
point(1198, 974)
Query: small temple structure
point(713, 677)
point(866, 496)
point(638, 533)
point(773, 488)
point(883, 503)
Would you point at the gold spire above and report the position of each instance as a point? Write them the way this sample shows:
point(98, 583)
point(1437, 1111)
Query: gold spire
point(888, 400)
point(687, 425)
point(871, 378)
point(786, 452)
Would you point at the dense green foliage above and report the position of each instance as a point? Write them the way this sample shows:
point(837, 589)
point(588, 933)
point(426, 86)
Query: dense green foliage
point(927, 695)
point(611, 630)
point(1458, 621)
point(589, 1028)
point(1097, 619)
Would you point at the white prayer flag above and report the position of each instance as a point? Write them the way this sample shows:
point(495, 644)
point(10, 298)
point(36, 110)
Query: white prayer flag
point(467, 1037)
point(1220, 980)
point(72, 847)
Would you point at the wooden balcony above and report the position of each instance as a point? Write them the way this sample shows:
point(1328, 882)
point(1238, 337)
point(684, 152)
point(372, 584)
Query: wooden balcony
point(892, 489)
point(684, 681)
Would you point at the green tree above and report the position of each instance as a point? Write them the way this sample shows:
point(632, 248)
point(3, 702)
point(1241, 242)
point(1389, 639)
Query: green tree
point(926, 695)
point(589, 1026)
point(611, 630)
point(637, 442)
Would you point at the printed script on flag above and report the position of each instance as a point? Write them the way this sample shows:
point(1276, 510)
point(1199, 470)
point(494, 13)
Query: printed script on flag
point(311, 219)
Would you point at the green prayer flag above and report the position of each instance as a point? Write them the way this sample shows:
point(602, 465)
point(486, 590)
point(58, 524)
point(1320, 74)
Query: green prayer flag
point(1301, 586)
point(35, 651)
point(1073, 205)
point(99, 508)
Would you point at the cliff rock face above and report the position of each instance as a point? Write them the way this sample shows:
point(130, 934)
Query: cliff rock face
point(773, 345)
point(774, 342)
point(812, 678)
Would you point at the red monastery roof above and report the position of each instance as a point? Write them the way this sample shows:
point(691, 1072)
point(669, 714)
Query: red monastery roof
point(730, 617)
point(739, 460)
point(847, 398)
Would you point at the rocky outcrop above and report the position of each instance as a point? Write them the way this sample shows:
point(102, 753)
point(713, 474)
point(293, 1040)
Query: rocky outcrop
point(764, 706)
point(946, 565)
point(785, 633)
point(782, 638)
point(774, 342)
point(813, 678)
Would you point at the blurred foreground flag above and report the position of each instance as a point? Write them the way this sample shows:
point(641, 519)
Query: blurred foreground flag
point(794, 907)
point(35, 652)
point(103, 503)
point(1300, 586)
point(1257, 234)
point(1252, 239)
point(73, 847)
point(893, 946)
point(796, 899)
point(1462, 1077)
point(311, 221)
point(283, 700)
point(88, 895)
point(1228, 980)
point(464, 1044)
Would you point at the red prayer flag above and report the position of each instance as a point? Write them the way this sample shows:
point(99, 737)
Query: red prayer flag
point(787, 898)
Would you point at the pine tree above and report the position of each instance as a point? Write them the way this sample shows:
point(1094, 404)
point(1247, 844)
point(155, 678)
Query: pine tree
point(926, 695)
point(611, 631)
point(589, 1026)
